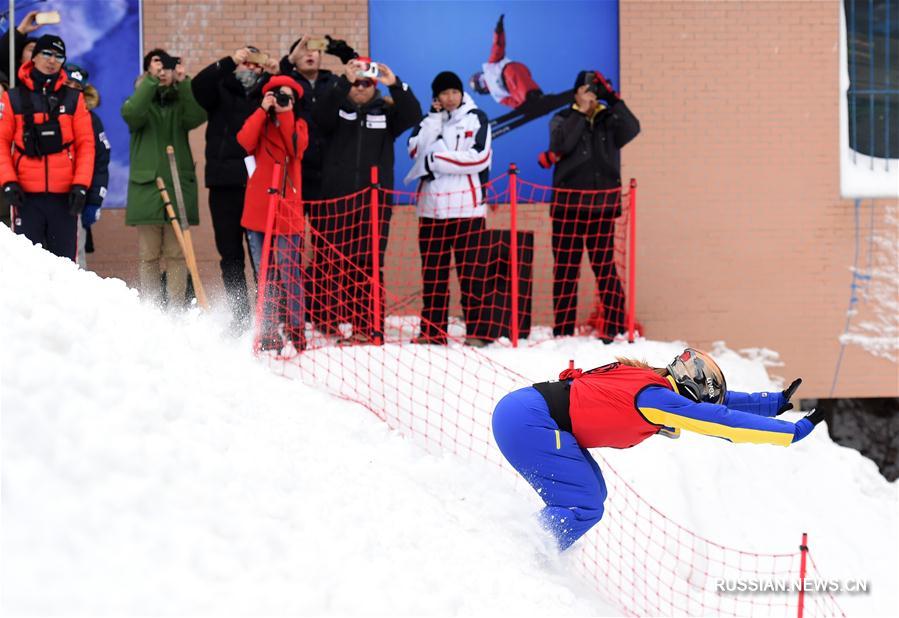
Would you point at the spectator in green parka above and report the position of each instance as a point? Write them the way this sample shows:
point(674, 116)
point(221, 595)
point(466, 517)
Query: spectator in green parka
point(161, 112)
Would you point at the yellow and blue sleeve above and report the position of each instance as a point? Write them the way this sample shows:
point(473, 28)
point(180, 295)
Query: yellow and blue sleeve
point(664, 407)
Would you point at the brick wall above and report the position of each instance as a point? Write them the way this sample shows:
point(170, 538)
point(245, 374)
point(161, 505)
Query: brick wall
point(743, 236)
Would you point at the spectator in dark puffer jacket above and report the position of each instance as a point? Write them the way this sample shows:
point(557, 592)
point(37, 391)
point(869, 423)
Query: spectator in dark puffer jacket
point(360, 127)
point(229, 90)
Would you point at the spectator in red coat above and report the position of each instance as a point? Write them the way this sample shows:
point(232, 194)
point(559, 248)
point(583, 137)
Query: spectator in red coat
point(275, 134)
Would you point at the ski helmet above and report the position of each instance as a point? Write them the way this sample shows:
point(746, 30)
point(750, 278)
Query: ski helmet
point(698, 376)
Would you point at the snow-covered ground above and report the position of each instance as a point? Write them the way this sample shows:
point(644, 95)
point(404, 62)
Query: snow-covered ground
point(151, 465)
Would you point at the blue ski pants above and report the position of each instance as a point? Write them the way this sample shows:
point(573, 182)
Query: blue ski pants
point(563, 474)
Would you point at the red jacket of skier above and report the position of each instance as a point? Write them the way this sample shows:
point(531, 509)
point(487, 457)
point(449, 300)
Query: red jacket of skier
point(281, 140)
point(603, 406)
point(52, 173)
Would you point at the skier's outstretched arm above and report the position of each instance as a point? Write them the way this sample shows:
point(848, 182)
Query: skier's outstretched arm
point(763, 404)
point(662, 406)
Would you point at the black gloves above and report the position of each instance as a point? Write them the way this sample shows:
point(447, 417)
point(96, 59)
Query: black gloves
point(787, 394)
point(14, 195)
point(339, 48)
point(815, 416)
point(604, 88)
point(499, 25)
point(77, 198)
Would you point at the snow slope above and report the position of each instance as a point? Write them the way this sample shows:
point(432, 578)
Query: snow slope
point(151, 466)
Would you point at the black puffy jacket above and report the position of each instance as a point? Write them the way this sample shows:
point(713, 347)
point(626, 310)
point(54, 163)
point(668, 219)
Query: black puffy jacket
point(313, 94)
point(228, 105)
point(359, 137)
point(590, 152)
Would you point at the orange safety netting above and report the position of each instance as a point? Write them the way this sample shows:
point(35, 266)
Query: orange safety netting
point(361, 310)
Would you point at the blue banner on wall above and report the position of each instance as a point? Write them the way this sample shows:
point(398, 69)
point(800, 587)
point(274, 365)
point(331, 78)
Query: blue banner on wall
point(546, 44)
point(104, 37)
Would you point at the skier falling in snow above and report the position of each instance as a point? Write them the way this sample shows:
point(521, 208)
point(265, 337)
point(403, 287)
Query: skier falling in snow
point(544, 430)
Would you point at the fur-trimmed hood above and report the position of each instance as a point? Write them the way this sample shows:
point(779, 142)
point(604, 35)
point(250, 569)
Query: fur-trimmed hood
point(91, 97)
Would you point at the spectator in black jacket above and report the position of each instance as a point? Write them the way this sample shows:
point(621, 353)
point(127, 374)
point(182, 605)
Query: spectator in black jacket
point(360, 127)
point(584, 145)
point(78, 79)
point(305, 66)
point(229, 90)
point(23, 42)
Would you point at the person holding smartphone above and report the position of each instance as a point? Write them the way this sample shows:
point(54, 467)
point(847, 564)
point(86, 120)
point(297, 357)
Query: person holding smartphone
point(161, 112)
point(23, 41)
point(451, 149)
point(230, 89)
point(360, 127)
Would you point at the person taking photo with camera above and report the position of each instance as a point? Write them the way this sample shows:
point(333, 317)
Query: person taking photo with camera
point(585, 144)
point(276, 134)
point(161, 112)
point(46, 150)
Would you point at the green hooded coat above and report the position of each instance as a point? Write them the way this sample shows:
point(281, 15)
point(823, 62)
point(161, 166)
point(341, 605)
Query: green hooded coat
point(156, 118)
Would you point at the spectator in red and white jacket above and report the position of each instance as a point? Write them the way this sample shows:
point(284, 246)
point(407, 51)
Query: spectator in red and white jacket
point(452, 153)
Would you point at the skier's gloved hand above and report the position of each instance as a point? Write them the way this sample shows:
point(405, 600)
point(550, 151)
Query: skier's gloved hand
point(13, 194)
point(499, 25)
point(786, 395)
point(339, 48)
point(90, 215)
point(815, 416)
point(547, 159)
point(807, 424)
point(77, 198)
point(604, 89)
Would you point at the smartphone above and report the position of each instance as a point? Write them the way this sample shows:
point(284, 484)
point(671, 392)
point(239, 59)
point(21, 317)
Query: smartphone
point(47, 17)
point(317, 44)
point(257, 58)
point(371, 71)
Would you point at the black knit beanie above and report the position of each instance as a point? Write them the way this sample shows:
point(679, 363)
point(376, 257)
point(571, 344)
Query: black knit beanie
point(445, 81)
point(51, 42)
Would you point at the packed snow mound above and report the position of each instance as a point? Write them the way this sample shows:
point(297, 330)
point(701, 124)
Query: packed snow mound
point(152, 466)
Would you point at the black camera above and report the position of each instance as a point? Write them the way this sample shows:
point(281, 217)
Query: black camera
point(169, 62)
point(283, 99)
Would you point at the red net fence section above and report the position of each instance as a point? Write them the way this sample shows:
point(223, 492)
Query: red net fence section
point(335, 313)
point(514, 262)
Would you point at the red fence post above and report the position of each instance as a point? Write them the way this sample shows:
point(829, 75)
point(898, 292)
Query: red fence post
point(261, 288)
point(804, 549)
point(377, 335)
point(513, 248)
point(632, 260)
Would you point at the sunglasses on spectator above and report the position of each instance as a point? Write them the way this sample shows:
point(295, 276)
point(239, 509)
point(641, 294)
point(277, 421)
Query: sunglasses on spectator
point(51, 54)
point(363, 83)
